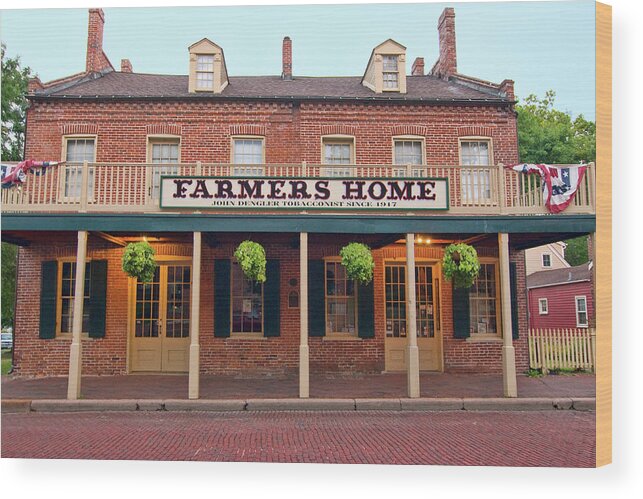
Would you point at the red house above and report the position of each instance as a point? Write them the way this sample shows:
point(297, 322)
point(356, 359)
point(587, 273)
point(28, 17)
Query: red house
point(561, 298)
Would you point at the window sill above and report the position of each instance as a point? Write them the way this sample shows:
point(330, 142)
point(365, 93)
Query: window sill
point(484, 338)
point(341, 337)
point(70, 336)
point(247, 336)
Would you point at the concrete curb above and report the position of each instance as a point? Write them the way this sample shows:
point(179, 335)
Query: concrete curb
point(390, 404)
point(300, 405)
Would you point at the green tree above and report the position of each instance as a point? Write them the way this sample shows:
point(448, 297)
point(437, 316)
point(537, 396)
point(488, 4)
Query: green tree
point(14, 105)
point(547, 135)
point(9, 260)
point(576, 251)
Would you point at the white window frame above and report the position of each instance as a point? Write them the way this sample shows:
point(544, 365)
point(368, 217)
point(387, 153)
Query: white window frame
point(542, 259)
point(478, 177)
point(586, 311)
point(339, 334)
point(386, 71)
point(65, 168)
point(198, 72)
point(247, 169)
point(543, 306)
point(336, 170)
point(163, 168)
point(417, 170)
point(499, 326)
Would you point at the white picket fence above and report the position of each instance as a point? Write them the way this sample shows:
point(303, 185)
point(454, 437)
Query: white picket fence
point(562, 348)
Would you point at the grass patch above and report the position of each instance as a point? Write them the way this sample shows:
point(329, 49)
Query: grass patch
point(534, 373)
point(6, 361)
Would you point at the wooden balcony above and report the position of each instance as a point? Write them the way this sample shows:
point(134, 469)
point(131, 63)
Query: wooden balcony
point(135, 187)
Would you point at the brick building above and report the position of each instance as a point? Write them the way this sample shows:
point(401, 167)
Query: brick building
point(195, 164)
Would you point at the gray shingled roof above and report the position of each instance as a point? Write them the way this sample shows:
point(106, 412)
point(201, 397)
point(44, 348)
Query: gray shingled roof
point(560, 276)
point(137, 85)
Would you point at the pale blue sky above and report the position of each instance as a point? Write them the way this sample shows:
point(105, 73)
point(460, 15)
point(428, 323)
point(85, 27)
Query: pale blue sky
point(540, 45)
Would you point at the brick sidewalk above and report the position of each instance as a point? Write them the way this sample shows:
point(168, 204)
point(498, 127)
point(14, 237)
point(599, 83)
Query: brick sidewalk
point(564, 439)
point(390, 385)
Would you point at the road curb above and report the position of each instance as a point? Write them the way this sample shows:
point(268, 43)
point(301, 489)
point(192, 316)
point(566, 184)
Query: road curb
point(390, 404)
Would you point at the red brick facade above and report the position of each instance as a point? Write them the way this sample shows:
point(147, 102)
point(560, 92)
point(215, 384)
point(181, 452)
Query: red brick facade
point(293, 130)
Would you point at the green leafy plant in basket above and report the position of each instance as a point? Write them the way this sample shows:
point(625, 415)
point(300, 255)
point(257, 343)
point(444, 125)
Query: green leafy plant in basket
point(252, 260)
point(358, 260)
point(138, 261)
point(460, 265)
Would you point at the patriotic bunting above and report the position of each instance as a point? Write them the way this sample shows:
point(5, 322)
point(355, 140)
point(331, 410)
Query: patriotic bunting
point(560, 183)
point(15, 175)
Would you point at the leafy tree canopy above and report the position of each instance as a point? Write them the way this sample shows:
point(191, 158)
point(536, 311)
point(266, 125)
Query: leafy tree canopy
point(14, 104)
point(9, 253)
point(547, 135)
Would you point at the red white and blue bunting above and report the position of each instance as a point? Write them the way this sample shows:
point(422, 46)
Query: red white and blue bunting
point(15, 175)
point(560, 183)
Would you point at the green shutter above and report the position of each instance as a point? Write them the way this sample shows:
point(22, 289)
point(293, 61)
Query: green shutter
point(365, 311)
point(48, 288)
point(515, 324)
point(98, 298)
point(461, 319)
point(271, 299)
point(316, 298)
point(222, 298)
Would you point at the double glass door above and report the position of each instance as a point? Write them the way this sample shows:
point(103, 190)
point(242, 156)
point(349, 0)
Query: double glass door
point(161, 321)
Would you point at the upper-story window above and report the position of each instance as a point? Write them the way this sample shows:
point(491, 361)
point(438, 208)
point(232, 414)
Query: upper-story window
point(546, 260)
point(390, 73)
point(163, 151)
point(77, 150)
point(204, 72)
point(248, 151)
point(408, 151)
point(338, 151)
point(476, 182)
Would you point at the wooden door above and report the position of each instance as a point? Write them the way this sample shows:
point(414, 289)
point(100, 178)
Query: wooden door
point(427, 317)
point(161, 321)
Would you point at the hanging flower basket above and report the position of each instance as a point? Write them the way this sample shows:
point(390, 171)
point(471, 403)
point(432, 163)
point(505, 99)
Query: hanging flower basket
point(358, 260)
point(460, 265)
point(252, 259)
point(138, 261)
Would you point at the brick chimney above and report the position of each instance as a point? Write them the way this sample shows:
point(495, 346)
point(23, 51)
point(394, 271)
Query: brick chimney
point(418, 67)
point(97, 61)
point(126, 66)
point(507, 88)
point(447, 62)
point(286, 57)
point(34, 85)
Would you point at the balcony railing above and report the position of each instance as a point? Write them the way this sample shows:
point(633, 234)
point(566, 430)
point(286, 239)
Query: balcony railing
point(134, 187)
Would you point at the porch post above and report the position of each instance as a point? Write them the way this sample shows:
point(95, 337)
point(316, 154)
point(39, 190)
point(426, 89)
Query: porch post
point(413, 355)
point(304, 381)
point(510, 387)
point(75, 351)
point(193, 377)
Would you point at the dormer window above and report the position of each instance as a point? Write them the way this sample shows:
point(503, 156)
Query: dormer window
point(208, 72)
point(390, 75)
point(204, 72)
point(385, 71)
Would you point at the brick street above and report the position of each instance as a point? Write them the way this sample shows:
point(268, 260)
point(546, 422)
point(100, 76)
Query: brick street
point(560, 439)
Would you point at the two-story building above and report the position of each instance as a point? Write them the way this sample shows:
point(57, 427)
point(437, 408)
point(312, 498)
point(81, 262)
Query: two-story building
point(197, 163)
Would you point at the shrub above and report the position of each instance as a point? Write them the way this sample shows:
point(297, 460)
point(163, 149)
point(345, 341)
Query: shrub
point(138, 261)
point(252, 259)
point(358, 260)
point(460, 265)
